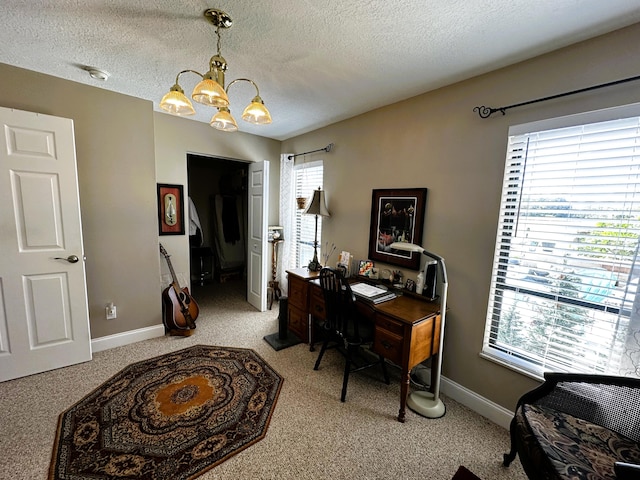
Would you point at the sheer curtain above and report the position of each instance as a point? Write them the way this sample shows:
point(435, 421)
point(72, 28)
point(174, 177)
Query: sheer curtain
point(630, 363)
point(286, 210)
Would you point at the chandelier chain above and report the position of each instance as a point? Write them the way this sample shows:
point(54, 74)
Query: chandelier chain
point(218, 34)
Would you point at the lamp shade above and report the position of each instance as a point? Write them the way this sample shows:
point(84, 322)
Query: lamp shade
point(317, 206)
point(209, 92)
point(176, 102)
point(406, 247)
point(223, 120)
point(256, 112)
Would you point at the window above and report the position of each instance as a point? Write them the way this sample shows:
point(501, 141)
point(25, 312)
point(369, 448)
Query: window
point(565, 277)
point(307, 178)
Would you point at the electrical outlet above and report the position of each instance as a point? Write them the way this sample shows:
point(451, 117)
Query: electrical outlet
point(111, 311)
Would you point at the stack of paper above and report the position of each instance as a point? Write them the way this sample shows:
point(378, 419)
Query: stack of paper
point(372, 293)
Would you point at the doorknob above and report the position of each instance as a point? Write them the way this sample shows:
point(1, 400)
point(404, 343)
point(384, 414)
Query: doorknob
point(70, 258)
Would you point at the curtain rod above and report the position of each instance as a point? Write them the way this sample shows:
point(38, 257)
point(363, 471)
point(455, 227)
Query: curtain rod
point(486, 112)
point(325, 149)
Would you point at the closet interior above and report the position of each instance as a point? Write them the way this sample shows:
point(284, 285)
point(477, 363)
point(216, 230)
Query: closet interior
point(217, 203)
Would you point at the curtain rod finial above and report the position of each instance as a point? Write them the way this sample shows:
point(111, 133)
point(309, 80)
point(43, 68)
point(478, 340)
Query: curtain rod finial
point(485, 112)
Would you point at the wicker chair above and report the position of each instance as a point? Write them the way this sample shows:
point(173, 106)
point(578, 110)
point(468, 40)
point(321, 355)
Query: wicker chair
point(580, 427)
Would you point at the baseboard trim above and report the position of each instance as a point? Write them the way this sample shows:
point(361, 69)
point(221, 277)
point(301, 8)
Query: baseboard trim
point(125, 338)
point(479, 404)
point(488, 409)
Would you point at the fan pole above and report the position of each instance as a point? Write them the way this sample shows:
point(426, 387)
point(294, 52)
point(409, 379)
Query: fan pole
point(429, 404)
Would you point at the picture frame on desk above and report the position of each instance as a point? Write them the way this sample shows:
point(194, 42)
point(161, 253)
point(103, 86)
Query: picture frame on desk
point(397, 215)
point(365, 267)
point(410, 286)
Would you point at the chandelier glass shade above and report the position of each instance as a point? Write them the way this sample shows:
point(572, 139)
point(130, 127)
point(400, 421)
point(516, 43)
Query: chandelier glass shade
point(176, 102)
point(223, 120)
point(211, 91)
point(256, 112)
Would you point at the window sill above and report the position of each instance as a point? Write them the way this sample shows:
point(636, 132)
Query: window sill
point(507, 361)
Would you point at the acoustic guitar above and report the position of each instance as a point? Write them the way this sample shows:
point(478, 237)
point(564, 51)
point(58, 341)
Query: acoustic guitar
point(179, 308)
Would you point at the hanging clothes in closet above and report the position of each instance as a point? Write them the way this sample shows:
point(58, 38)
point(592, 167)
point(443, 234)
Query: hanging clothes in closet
point(228, 232)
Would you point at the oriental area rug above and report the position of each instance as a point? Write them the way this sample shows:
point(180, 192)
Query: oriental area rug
point(464, 474)
point(168, 417)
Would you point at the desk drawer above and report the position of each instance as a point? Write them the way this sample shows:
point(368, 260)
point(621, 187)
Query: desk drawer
point(388, 345)
point(385, 323)
point(299, 322)
point(298, 292)
point(316, 303)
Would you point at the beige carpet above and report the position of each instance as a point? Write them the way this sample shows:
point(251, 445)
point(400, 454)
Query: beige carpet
point(312, 434)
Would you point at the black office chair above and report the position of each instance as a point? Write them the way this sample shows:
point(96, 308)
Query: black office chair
point(343, 328)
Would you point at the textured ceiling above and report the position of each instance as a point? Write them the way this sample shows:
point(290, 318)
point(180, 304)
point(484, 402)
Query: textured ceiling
point(315, 61)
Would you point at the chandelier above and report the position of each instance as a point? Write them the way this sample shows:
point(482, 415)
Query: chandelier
point(211, 90)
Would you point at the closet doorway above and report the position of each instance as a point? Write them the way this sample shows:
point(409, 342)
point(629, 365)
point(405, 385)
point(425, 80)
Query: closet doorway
point(218, 235)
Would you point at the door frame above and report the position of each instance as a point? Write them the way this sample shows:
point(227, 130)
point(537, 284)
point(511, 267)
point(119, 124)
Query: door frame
point(217, 158)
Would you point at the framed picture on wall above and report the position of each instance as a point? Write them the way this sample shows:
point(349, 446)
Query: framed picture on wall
point(397, 215)
point(170, 209)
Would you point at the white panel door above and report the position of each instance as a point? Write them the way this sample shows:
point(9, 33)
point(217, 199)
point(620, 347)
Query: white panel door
point(257, 236)
point(44, 316)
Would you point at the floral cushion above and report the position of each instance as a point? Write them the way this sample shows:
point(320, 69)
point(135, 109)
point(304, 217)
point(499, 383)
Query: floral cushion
point(560, 446)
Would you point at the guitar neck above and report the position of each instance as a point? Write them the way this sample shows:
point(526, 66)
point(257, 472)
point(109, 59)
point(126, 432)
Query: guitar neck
point(173, 273)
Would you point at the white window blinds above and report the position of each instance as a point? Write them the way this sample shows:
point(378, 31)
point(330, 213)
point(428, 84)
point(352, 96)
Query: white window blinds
point(564, 276)
point(308, 177)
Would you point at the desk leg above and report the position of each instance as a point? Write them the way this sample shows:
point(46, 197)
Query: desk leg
point(311, 347)
point(404, 392)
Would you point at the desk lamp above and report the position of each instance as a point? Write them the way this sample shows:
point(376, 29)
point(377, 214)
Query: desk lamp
point(428, 404)
point(318, 208)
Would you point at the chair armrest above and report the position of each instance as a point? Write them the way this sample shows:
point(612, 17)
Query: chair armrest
point(626, 471)
point(589, 397)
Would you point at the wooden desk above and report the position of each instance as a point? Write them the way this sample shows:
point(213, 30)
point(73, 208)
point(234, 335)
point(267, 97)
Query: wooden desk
point(407, 330)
